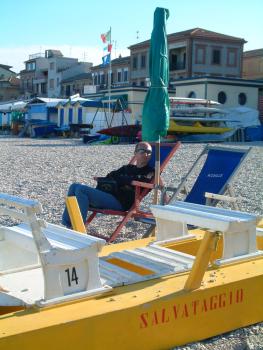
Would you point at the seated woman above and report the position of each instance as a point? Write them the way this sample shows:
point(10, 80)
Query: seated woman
point(119, 197)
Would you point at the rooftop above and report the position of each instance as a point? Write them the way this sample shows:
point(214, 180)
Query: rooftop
point(253, 53)
point(116, 61)
point(197, 33)
point(77, 77)
point(5, 66)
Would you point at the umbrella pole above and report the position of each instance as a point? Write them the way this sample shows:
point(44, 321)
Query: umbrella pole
point(157, 171)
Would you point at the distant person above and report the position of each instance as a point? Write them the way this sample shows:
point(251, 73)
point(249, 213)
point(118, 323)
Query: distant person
point(118, 194)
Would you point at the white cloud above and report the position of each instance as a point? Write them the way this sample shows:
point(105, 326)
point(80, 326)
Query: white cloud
point(16, 56)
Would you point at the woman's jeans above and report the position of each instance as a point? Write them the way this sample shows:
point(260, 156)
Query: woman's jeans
point(89, 197)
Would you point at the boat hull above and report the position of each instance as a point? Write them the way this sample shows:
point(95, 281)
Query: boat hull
point(122, 130)
point(196, 128)
point(155, 314)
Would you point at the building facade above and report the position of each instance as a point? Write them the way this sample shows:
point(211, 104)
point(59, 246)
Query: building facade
point(6, 72)
point(253, 64)
point(43, 74)
point(120, 74)
point(229, 92)
point(75, 84)
point(192, 53)
point(9, 83)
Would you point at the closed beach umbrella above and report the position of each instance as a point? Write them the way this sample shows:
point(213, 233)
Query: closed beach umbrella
point(156, 108)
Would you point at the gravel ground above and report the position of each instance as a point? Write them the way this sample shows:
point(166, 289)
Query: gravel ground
point(43, 170)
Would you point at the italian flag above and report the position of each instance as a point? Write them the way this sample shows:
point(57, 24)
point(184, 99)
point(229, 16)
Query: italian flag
point(106, 37)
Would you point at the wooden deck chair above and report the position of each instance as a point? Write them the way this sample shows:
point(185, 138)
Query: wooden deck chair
point(215, 177)
point(167, 150)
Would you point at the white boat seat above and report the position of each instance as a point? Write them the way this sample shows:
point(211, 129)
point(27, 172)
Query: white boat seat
point(238, 228)
point(67, 260)
point(150, 262)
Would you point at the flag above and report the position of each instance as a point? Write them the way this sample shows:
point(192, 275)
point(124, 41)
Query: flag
point(106, 36)
point(107, 48)
point(106, 60)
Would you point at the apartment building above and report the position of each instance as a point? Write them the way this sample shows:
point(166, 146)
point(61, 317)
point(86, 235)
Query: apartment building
point(120, 73)
point(9, 84)
point(75, 78)
point(192, 53)
point(6, 72)
point(43, 73)
point(253, 64)
point(75, 84)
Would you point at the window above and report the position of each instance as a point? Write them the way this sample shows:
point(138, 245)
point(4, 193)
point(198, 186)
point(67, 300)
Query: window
point(192, 94)
point(52, 65)
point(68, 90)
point(31, 66)
point(232, 57)
point(221, 97)
point(57, 81)
point(43, 88)
point(51, 83)
point(173, 62)
point(216, 56)
point(200, 55)
point(143, 61)
point(242, 98)
point(125, 77)
point(119, 76)
point(134, 62)
point(142, 83)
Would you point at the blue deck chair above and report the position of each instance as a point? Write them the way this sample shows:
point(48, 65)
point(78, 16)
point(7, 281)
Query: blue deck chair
point(214, 179)
point(167, 150)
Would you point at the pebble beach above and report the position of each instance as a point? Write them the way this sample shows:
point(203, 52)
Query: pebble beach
point(43, 169)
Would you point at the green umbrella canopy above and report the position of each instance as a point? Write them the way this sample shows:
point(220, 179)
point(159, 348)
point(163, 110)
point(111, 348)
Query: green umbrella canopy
point(155, 116)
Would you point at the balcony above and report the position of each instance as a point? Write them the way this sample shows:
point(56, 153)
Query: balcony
point(177, 66)
point(36, 55)
point(121, 84)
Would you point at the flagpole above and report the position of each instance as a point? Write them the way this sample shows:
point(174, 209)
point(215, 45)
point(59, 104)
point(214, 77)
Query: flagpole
point(109, 78)
point(157, 171)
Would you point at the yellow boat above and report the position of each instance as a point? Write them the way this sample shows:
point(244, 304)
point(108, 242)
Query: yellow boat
point(196, 126)
point(62, 289)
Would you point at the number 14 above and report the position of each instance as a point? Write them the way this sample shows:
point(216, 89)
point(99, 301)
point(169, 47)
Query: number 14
point(72, 277)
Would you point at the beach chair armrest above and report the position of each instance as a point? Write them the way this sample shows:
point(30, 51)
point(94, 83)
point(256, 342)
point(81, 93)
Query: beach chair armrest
point(143, 184)
point(164, 196)
point(169, 189)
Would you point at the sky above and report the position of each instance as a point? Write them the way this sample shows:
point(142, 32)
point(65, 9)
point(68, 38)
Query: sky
point(74, 27)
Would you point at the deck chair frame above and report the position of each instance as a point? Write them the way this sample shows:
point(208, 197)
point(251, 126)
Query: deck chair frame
point(211, 198)
point(141, 190)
